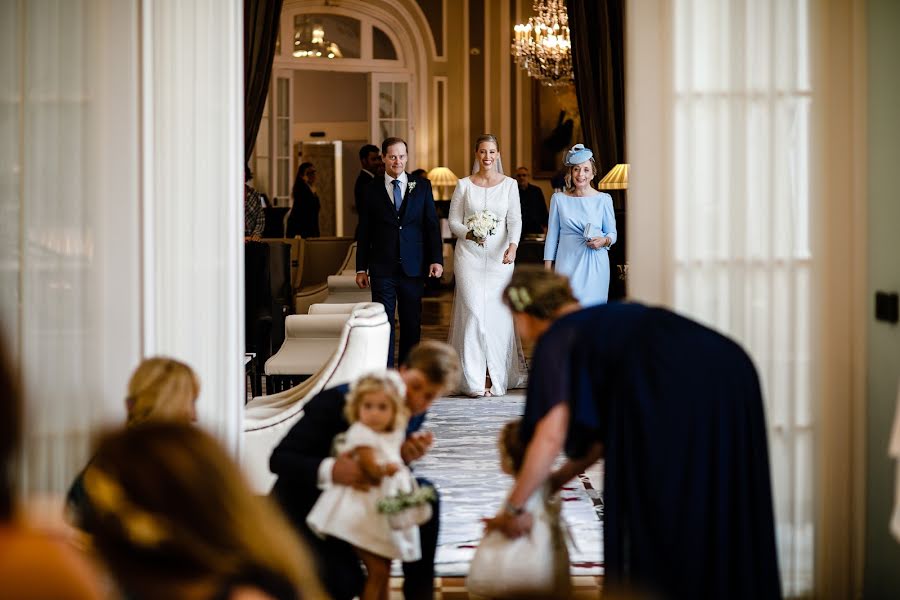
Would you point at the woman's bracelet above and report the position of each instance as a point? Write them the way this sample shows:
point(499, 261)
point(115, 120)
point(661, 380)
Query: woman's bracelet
point(513, 511)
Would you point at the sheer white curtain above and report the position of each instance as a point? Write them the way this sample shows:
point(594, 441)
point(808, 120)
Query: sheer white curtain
point(68, 157)
point(725, 216)
point(120, 212)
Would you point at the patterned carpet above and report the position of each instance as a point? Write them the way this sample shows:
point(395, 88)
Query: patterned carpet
point(464, 465)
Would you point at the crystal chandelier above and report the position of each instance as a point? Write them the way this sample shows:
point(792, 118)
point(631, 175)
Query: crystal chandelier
point(542, 47)
point(310, 42)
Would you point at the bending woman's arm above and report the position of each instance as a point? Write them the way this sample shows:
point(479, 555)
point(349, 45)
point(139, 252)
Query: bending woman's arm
point(545, 446)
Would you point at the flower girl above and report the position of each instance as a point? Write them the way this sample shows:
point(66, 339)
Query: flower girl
point(535, 565)
point(378, 417)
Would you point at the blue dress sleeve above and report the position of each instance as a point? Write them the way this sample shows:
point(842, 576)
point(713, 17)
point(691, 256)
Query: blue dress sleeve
point(552, 240)
point(609, 220)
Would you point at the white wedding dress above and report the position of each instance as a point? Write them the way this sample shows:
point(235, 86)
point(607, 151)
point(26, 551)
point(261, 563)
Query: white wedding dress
point(482, 328)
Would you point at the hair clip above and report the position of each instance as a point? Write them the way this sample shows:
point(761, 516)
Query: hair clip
point(141, 527)
point(519, 298)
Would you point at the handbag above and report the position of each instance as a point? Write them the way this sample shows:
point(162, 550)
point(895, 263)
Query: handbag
point(534, 565)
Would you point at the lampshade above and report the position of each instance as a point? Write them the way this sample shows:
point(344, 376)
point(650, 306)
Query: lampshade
point(442, 176)
point(616, 179)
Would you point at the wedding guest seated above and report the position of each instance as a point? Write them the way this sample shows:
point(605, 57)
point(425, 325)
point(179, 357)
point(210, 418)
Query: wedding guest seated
point(173, 518)
point(254, 217)
point(33, 565)
point(160, 389)
point(304, 465)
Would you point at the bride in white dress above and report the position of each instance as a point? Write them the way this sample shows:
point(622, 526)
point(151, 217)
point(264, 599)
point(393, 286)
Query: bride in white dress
point(482, 327)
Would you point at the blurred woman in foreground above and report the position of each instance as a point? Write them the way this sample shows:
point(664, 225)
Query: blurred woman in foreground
point(160, 389)
point(33, 565)
point(173, 518)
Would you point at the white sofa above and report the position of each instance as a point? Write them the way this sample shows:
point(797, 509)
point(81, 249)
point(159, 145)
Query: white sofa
point(362, 347)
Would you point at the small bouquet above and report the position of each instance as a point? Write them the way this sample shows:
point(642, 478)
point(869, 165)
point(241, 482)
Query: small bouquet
point(482, 224)
point(408, 509)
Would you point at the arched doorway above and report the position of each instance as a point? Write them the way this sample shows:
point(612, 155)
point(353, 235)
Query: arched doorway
point(342, 76)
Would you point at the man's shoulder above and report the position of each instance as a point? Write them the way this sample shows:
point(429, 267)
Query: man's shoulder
point(330, 400)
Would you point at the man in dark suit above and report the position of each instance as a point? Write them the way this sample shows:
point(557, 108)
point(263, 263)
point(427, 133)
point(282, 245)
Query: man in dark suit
point(304, 466)
point(399, 244)
point(534, 209)
point(370, 164)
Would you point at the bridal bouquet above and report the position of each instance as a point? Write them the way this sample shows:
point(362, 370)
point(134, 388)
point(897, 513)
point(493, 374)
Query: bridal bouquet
point(482, 224)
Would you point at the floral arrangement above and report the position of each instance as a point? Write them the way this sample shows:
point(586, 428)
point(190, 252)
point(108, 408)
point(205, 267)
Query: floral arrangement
point(410, 186)
point(392, 505)
point(482, 224)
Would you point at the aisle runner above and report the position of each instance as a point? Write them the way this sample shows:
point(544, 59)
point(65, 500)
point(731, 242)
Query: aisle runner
point(464, 464)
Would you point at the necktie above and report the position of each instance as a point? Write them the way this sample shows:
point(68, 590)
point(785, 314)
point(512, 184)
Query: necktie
point(398, 198)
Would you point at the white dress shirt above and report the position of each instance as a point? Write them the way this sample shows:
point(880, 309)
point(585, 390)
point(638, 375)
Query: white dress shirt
point(389, 186)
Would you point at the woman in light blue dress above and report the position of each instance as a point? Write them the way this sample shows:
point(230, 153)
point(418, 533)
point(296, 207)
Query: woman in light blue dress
point(581, 230)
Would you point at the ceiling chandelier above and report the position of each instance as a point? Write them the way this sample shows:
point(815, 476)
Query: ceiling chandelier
point(542, 47)
point(310, 42)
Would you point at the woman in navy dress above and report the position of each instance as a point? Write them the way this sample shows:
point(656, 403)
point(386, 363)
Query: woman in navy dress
point(581, 230)
point(676, 410)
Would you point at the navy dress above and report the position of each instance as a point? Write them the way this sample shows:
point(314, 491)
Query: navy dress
point(678, 407)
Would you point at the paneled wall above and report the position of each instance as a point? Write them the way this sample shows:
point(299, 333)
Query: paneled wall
point(463, 81)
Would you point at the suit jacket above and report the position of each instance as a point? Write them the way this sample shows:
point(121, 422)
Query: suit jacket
point(534, 209)
point(297, 458)
point(359, 188)
point(411, 236)
point(304, 217)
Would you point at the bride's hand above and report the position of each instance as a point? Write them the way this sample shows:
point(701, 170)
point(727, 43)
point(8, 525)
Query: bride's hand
point(471, 236)
point(511, 526)
point(510, 255)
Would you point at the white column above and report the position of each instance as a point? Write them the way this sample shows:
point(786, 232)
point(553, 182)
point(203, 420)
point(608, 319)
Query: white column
point(192, 65)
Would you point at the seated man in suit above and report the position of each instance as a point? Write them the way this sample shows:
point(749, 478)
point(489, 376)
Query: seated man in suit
point(399, 244)
point(304, 466)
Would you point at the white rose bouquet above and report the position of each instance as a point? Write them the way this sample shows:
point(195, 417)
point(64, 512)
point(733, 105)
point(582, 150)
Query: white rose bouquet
point(482, 224)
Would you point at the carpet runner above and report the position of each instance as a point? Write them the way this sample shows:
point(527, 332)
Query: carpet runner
point(464, 465)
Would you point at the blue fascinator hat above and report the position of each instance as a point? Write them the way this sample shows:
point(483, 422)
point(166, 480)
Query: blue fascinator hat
point(577, 155)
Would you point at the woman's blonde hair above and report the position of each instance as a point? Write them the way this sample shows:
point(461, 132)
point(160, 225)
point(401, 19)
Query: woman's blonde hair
point(171, 508)
point(162, 388)
point(538, 292)
point(570, 183)
point(388, 382)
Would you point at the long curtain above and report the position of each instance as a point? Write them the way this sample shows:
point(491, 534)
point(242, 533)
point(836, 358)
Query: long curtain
point(720, 126)
point(598, 57)
point(261, 19)
point(69, 270)
point(121, 213)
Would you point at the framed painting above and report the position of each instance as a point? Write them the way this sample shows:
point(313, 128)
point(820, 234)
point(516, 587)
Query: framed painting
point(556, 127)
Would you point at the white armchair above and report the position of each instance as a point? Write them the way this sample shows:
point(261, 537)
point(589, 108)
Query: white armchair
point(362, 347)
